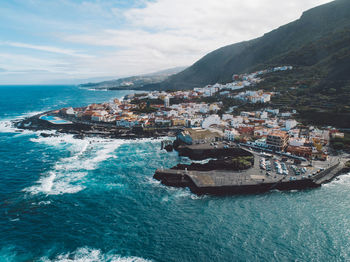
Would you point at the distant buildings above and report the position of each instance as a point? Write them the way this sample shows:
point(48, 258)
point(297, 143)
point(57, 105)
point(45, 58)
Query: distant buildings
point(254, 96)
point(166, 101)
point(203, 123)
point(290, 123)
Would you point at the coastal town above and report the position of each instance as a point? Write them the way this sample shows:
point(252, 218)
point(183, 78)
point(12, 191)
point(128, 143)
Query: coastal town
point(269, 129)
point(280, 145)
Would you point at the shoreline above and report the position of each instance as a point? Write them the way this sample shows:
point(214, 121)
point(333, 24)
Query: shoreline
point(82, 129)
point(215, 179)
point(211, 178)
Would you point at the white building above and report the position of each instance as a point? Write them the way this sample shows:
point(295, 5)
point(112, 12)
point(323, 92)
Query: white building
point(227, 117)
point(172, 113)
point(237, 121)
point(297, 141)
point(166, 101)
point(230, 134)
point(70, 111)
point(263, 115)
point(211, 120)
point(273, 111)
point(290, 124)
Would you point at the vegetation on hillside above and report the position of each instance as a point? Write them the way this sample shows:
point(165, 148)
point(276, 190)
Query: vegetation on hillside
point(317, 46)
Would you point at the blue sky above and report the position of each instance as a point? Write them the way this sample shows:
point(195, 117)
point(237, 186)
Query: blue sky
point(72, 41)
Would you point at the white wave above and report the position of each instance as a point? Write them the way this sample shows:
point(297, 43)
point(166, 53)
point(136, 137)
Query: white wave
point(29, 114)
point(97, 89)
point(56, 183)
point(340, 180)
point(181, 193)
point(174, 192)
point(7, 127)
point(68, 173)
point(60, 140)
point(91, 255)
point(44, 203)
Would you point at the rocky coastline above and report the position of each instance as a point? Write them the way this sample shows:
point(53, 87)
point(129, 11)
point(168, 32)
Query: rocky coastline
point(222, 174)
point(82, 129)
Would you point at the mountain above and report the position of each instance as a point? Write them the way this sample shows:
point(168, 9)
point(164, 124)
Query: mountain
point(318, 40)
point(134, 82)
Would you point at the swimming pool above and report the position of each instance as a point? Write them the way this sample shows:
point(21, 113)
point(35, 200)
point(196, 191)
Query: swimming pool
point(55, 120)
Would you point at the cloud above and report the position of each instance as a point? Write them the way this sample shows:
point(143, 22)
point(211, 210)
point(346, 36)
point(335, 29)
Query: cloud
point(166, 33)
point(51, 49)
point(147, 36)
point(20, 63)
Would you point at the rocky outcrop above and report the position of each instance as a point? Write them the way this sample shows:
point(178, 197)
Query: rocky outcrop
point(228, 163)
point(205, 152)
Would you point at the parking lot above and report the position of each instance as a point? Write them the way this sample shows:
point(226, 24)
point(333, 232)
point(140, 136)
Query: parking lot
point(278, 167)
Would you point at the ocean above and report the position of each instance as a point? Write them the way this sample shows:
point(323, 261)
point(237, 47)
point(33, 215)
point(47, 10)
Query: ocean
point(66, 199)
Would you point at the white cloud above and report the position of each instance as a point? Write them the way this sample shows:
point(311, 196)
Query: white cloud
point(51, 49)
point(168, 33)
point(151, 36)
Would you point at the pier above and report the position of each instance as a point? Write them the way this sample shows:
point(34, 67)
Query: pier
point(252, 180)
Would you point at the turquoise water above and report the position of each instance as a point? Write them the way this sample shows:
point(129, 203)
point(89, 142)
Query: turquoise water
point(65, 199)
point(54, 120)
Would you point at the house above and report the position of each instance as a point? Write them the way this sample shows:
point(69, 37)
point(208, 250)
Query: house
point(214, 107)
point(337, 135)
point(172, 113)
point(301, 151)
point(236, 121)
point(261, 132)
point(67, 111)
point(277, 140)
point(87, 115)
point(166, 101)
point(290, 123)
point(194, 122)
point(178, 122)
point(193, 136)
point(126, 122)
point(161, 122)
point(246, 130)
point(227, 117)
point(230, 134)
point(211, 120)
point(97, 117)
point(297, 141)
point(263, 115)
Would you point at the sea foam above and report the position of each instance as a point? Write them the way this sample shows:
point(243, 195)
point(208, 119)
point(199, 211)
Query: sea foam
point(340, 180)
point(85, 254)
point(6, 125)
point(68, 173)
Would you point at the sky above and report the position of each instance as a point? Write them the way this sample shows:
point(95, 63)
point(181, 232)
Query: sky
point(75, 41)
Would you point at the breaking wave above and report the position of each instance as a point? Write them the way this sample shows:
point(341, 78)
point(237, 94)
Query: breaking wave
point(68, 173)
point(340, 180)
point(91, 255)
point(6, 125)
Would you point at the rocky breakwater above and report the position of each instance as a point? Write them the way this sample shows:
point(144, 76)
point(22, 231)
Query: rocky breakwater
point(236, 171)
point(205, 151)
point(220, 157)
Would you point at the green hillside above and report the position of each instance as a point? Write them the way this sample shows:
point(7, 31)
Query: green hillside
point(320, 39)
point(318, 47)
